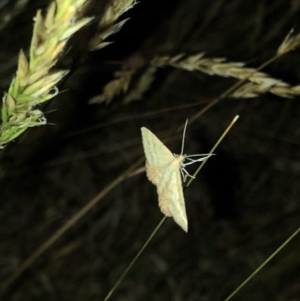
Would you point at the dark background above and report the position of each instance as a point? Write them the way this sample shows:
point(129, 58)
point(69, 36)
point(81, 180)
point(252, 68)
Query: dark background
point(241, 207)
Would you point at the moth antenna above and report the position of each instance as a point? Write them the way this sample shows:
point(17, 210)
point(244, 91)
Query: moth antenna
point(201, 155)
point(183, 136)
point(192, 162)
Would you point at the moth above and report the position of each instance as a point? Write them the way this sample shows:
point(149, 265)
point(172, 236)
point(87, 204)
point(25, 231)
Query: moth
point(164, 170)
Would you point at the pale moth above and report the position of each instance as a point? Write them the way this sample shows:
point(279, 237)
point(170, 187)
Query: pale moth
point(163, 169)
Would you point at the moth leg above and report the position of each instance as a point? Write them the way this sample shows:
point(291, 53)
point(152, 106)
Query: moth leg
point(185, 173)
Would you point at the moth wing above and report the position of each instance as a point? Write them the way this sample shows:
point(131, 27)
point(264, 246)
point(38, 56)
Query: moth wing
point(158, 156)
point(163, 170)
point(170, 195)
point(177, 203)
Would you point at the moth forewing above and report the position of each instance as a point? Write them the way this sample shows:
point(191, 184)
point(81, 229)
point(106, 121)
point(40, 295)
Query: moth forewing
point(155, 151)
point(155, 163)
point(163, 170)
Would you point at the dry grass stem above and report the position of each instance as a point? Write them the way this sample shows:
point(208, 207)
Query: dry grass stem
point(291, 42)
point(253, 90)
point(259, 82)
point(35, 82)
point(113, 88)
point(120, 83)
point(144, 83)
point(106, 27)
